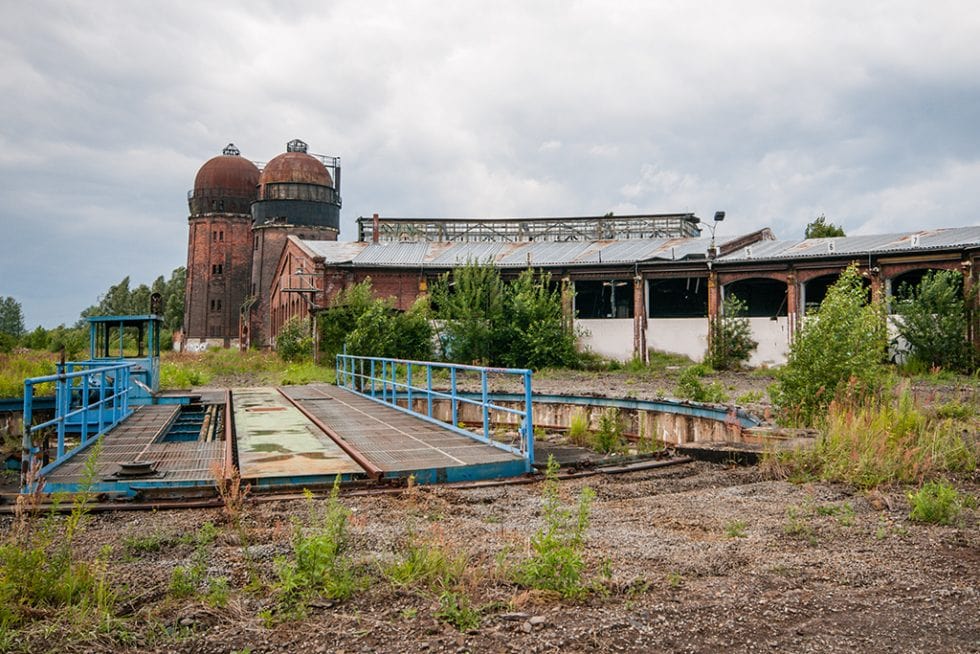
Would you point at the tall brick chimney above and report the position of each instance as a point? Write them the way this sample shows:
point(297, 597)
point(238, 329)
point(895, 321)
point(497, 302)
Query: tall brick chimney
point(376, 231)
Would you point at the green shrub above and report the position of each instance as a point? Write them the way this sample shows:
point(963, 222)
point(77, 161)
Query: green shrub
point(690, 386)
point(341, 318)
point(556, 562)
point(293, 341)
point(536, 335)
point(609, 435)
point(730, 338)
point(936, 502)
point(837, 355)
point(429, 563)
point(934, 321)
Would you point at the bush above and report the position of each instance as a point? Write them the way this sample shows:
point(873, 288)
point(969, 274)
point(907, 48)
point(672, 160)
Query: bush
point(293, 342)
point(609, 436)
point(578, 427)
point(690, 386)
point(934, 321)
point(838, 353)
point(536, 335)
point(935, 502)
point(469, 302)
point(341, 318)
point(731, 342)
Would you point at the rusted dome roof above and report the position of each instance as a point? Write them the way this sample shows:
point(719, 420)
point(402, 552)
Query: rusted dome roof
point(228, 174)
point(295, 166)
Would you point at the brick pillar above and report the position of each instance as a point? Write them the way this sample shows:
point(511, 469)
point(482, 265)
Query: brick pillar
point(567, 304)
point(639, 321)
point(714, 301)
point(971, 294)
point(792, 305)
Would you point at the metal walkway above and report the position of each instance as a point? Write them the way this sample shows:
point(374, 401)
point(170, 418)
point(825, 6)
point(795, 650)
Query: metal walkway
point(399, 444)
point(293, 436)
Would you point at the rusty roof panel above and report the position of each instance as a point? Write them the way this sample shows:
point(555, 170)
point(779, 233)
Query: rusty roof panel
point(934, 239)
point(335, 251)
point(392, 254)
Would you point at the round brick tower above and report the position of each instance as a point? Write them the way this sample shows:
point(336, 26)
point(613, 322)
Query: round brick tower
point(219, 249)
point(296, 196)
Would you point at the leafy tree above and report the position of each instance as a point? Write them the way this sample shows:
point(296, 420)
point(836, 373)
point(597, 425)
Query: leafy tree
point(470, 302)
point(39, 339)
point(731, 342)
point(11, 317)
point(535, 332)
point(74, 341)
point(173, 298)
point(820, 228)
point(837, 354)
point(934, 320)
point(341, 318)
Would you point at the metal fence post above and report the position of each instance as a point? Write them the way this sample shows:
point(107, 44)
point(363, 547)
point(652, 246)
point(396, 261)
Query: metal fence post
point(486, 409)
point(452, 393)
point(428, 380)
point(528, 419)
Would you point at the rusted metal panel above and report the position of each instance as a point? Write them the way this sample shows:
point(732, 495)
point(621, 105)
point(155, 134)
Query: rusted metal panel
point(276, 440)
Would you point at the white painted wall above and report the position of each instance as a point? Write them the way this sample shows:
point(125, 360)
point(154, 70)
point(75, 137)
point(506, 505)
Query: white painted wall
point(773, 338)
point(205, 344)
point(611, 337)
point(687, 336)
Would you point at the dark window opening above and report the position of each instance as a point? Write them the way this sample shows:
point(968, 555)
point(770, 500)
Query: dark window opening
point(902, 285)
point(216, 269)
point(686, 297)
point(221, 235)
point(815, 291)
point(604, 299)
point(763, 298)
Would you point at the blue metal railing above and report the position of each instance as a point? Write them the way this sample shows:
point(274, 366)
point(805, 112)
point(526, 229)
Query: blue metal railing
point(388, 380)
point(89, 397)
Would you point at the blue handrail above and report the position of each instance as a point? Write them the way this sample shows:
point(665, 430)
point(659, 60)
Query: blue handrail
point(377, 378)
point(89, 396)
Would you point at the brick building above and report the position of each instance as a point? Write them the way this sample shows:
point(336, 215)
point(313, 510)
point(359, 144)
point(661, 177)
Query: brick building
point(240, 218)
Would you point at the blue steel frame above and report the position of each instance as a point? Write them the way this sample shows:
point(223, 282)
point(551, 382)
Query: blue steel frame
point(75, 406)
point(351, 375)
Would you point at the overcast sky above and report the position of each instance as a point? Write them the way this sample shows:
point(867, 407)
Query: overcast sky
point(775, 112)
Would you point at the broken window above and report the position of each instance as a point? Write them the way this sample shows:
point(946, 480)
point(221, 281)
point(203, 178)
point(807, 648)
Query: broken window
point(763, 298)
point(683, 297)
point(604, 299)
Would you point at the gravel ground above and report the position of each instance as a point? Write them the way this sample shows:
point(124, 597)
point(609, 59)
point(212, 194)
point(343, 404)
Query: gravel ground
point(700, 558)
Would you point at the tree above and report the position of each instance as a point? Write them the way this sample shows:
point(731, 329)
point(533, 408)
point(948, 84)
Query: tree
point(934, 320)
point(536, 334)
point(11, 317)
point(820, 228)
point(470, 304)
point(173, 298)
point(837, 355)
point(341, 318)
point(731, 336)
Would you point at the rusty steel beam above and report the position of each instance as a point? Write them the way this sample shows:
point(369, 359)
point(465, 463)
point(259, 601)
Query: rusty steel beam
point(370, 468)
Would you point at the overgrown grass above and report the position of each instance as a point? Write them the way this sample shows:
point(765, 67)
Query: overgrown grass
point(15, 368)
point(556, 561)
point(609, 436)
point(184, 370)
point(428, 562)
point(40, 576)
point(880, 442)
point(578, 428)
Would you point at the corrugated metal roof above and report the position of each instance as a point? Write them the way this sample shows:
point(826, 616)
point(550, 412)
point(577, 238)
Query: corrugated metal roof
point(453, 254)
point(392, 254)
point(935, 239)
point(335, 251)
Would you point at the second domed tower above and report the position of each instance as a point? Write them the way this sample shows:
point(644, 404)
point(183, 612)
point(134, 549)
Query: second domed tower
point(297, 194)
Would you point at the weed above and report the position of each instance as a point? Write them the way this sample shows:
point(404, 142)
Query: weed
point(797, 526)
point(609, 436)
point(320, 565)
point(956, 410)
point(675, 580)
point(936, 502)
point(218, 592)
point(690, 386)
point(428, 562)
point(136, 546)
point(578, 427)
point(455, 609)
point(409, 613)
point(736, 529)
point(186, 581)
point(556, 562)
point(749, 397)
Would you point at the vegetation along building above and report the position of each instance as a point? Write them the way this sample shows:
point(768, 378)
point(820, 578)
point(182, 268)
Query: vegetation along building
point(640, 281)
